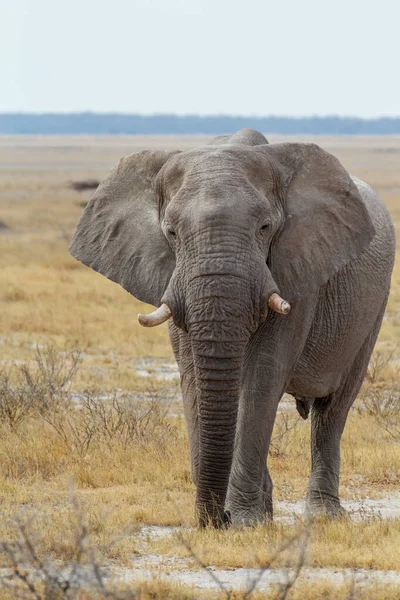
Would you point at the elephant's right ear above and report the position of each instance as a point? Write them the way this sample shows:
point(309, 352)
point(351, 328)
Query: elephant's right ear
point(119, 233)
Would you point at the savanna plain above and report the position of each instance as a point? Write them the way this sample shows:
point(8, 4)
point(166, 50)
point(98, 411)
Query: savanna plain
point(96, 496)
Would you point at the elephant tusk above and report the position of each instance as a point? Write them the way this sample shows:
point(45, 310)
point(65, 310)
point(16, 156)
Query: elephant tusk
point(157, 317)
point(278, 304)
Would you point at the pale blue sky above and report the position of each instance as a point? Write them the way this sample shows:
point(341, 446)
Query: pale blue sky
point(282, 57)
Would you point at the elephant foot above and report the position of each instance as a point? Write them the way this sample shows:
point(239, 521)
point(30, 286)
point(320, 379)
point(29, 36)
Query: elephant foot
point(324, 505)
point(227, 518)
point(249, 508)
point(244, 519)
point(247, 517)
point(209, 514)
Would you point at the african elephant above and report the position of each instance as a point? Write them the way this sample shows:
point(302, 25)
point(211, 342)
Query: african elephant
point(275, 266)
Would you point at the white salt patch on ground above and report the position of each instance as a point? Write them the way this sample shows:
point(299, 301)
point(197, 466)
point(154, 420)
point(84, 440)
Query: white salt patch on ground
point(384, 508)
point(242, 579)
point(176, 570)
point(149, 367)
point(157, 531)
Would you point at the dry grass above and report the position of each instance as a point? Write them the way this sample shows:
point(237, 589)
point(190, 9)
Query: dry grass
point(130, 467)
point(371, 544)
point(161, 590)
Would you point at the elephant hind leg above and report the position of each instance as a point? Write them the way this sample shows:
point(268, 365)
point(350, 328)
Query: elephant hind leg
point(328, 418)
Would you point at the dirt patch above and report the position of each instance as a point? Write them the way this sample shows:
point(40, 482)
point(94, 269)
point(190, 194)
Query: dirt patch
point(387, 507)
point(180, 570)
point(80, 186)
point(150, 367)
point(245, 579)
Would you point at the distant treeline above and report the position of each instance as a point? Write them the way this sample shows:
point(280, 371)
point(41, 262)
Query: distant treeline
point(95, 123)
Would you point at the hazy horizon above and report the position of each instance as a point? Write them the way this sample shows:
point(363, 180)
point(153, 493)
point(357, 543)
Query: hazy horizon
point(118, 123)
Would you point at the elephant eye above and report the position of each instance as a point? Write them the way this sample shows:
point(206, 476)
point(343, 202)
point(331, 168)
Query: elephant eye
point(171, 232)
point(265, 227)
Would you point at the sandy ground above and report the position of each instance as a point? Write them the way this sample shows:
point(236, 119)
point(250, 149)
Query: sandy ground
point(244, 579)
point(178, 570)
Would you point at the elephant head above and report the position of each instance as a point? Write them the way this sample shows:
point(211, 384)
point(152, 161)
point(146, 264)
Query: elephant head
point(213, 237)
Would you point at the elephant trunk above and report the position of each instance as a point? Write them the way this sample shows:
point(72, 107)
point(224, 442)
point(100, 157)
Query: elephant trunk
point(218, 387)
point(219, 326)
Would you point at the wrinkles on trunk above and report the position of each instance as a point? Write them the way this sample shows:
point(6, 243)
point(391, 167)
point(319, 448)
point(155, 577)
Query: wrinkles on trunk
point(218, 385)
point(219, 328)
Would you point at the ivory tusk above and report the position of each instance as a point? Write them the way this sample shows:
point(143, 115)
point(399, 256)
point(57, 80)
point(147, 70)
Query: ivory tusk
point(278, 304)
point(157, 317)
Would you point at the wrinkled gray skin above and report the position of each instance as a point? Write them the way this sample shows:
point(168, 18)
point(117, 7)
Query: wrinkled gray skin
point(213, 232)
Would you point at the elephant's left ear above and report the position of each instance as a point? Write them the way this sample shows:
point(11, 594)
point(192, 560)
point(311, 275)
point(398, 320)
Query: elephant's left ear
point(119, 234)
point(326, 221)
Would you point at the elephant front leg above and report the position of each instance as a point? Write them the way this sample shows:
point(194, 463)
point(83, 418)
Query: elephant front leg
point(268, 369)
point(249, 498)
point(192, 421)
point(183, 355)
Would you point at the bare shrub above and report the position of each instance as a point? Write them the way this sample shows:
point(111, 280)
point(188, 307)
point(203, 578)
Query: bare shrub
point(29, 388)
point(41, 389)
point(379, 363)
point(116, 420)
point(16, 401)
point(286, 425)
point(75, 431)
point(384, 407)
point(50, 377)
point(125, 420)
point(32, 576)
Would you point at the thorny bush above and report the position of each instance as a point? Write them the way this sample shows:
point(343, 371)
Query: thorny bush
point(286, 425)
point(384, 406)
point(29, 389)
point(42, 391)
point(118, 419)
point(381, 360)
point(380, 395)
